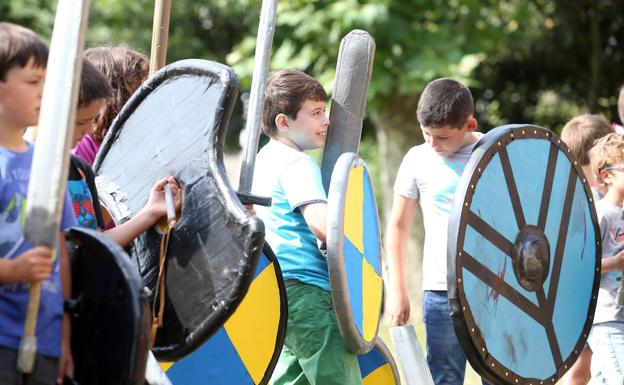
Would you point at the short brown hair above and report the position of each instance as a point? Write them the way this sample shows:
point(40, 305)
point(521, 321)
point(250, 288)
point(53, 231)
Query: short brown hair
point(580, 133)
point(93, 85)
point(607, 151)
point(621, 104)
point(285, 92)
point(125, 70)
point(18, 45)
point(444, 102)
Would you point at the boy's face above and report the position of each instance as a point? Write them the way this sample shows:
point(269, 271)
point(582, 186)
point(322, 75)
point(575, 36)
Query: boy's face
point(85, 119)
point(20, 96)
point(445, 141)
point(309, 129)
point(613, 177)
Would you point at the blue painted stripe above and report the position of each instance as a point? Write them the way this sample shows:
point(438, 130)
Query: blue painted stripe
point(370, 225)
point(370, 361)
point(214, 362)
point(353, 268)
point(263, 262)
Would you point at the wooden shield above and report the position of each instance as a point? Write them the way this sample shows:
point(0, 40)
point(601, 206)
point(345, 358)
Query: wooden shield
point(524, 257)
point(244, 351)
point(110, 312)
point(175, 125)
point(354, 253)
point(378, 366)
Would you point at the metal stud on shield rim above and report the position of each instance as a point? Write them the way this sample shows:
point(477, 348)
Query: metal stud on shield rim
point(523, 257)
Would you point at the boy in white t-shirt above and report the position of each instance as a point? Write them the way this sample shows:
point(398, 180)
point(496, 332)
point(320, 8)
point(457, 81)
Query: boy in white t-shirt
point(428, 176)
point(606, 338)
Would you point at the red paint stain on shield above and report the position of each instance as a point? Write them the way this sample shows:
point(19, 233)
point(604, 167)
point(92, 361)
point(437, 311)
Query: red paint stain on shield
point(498, 283)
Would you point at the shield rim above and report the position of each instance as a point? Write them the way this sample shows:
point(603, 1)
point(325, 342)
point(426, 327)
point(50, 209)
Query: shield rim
point(352, 338)
point(463, 321)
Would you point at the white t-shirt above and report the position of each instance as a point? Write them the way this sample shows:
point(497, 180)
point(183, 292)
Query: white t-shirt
point(612, 237)
point(432, 179)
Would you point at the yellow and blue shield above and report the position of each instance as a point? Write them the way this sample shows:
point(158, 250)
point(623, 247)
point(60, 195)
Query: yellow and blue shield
point(524, 257)
point(378, 366)
point(354, 253)
point(244, 351)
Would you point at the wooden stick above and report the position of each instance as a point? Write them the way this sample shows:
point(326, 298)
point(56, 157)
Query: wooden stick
point(48, 176)
point(160, 35)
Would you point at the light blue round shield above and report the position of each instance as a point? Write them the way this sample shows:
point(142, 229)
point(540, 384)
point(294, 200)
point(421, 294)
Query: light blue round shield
point(524, 257)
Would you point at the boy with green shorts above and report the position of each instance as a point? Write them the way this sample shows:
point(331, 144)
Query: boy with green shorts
point(295, 120)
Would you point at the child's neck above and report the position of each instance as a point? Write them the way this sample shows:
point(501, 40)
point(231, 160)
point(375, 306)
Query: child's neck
point(614, 197)
point(11, 139)
point(288, 142)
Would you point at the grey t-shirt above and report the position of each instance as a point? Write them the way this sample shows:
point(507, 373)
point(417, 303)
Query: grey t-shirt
point(432, 180)
point(612, 235)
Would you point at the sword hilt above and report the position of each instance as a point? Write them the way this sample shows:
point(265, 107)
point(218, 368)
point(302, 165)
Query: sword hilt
point(169, 203)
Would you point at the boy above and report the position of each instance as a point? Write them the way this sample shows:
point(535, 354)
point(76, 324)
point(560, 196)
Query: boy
point(618, 127)
point(294, 118)
point(606, 338)
point(579, 134)
point(23, 57)
point(94, 91)
point(428, 176)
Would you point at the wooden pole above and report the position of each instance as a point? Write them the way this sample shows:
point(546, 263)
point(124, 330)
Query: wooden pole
point(160, 35)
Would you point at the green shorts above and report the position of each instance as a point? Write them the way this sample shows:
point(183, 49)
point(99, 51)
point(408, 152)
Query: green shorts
point(313, 351)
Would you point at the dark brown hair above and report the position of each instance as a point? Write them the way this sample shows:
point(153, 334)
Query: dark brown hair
point(285, 92)
point(93, 85)
point(580, 133)
point(444, 102)
point(18, 45)
point(125, 70)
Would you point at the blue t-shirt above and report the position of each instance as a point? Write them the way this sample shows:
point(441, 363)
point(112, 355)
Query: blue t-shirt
point(292, 179)
point(14, 177)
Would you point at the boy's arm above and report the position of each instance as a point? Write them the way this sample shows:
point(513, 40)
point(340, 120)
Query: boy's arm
point(33, 265)
point(315, 215)
point(397, 234)
point(614, 263)
point(148, 215)
point(66, 363)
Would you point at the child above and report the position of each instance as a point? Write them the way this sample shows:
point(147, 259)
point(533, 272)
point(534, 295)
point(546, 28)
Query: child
point(579, 134)
point(125, 70)
point(294, 118)
point(94, 92)
point(606, 338)
point(618, 127)
point(428, 176)
point(23, 57)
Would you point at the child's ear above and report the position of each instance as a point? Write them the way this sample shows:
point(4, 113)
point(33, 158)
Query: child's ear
point(281, 122)
point(471, 124)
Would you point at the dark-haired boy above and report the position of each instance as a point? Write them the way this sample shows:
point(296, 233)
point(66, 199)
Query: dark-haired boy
point(23, 58)
point(428, 177)
point(295, 120)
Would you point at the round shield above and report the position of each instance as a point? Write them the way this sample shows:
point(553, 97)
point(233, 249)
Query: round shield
point(244, 351)
point(110, 312)
point(175, 125)
point(354, 253)
point(378, 366)
point(524, 257)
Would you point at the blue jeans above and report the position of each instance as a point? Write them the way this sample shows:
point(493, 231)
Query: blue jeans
point(445, 357)
point(606, 341)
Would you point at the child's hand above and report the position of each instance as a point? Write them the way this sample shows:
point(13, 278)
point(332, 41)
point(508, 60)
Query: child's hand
point(398, 307)
point(32, 265)
point(156, 206)
point(66, 363)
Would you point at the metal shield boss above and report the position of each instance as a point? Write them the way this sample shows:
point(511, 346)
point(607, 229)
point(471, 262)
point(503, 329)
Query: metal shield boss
point(245, 350)
point(523, 257)
point(175, 125)
point(109, 310)
point(354, 253)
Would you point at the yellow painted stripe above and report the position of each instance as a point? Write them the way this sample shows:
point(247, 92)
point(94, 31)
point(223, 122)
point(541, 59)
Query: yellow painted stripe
point(371, 300)
point(166, 365)
point(354, 208)
point(253, 326)
point(380, 376)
